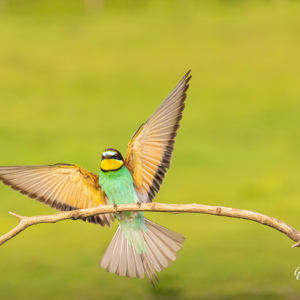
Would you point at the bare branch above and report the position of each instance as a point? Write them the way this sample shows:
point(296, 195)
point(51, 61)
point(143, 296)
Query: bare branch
point(25, 222)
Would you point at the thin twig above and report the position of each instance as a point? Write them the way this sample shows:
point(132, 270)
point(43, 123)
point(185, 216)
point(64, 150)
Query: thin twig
point(25, 222)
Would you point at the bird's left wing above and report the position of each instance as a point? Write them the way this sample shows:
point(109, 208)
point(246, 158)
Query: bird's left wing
point(62, 186)
point(150, 149)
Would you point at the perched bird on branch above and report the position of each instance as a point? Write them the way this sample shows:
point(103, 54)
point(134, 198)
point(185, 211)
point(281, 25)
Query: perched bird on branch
point(139, 246)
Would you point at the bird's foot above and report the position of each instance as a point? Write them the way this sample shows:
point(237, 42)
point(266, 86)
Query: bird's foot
point(139, 203)
point(115, 207)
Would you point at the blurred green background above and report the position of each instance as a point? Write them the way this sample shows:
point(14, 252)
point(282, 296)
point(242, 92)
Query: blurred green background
point(77, 77)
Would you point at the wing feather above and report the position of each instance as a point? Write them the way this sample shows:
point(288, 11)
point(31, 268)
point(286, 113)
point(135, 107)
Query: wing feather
point(150, 150)
point(62, 186)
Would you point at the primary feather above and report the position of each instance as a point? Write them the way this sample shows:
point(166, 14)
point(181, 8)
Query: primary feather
point(150, 150)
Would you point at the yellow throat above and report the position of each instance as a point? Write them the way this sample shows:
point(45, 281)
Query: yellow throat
point(111, 164)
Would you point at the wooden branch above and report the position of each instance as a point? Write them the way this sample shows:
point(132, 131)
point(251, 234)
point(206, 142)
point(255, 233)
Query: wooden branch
point(25, 222)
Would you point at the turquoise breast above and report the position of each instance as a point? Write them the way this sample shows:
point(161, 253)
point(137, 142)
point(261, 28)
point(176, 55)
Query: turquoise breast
point(118, 186)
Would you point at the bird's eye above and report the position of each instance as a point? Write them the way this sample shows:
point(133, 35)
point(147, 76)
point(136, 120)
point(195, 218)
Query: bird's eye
point(115, 155)
point(102, 157)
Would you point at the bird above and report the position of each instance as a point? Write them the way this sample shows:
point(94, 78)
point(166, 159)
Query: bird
point(139, 245)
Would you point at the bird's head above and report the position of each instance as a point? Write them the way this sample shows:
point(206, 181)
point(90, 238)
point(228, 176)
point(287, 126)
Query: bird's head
point(112, 160)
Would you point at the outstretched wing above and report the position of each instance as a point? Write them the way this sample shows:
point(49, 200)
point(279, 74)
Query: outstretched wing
point(150, 149)
point(62, 186)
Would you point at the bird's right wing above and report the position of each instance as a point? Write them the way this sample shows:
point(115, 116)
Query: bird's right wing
point(62, 186)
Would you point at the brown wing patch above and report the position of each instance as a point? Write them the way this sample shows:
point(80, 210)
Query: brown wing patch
point(150, 150)
point(64, 187)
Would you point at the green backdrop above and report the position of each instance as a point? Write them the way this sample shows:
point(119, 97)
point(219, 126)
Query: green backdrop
point(77, 77)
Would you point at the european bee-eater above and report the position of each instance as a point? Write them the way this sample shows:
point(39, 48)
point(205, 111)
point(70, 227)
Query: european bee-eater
point(139, 245)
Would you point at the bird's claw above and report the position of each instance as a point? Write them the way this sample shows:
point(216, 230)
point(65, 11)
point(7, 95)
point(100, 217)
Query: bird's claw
point(115, 207)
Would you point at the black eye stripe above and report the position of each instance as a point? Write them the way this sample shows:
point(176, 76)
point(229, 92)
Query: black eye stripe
point(115, 155)
point(111, 153)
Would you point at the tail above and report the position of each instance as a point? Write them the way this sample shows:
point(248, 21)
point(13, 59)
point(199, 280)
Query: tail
point(162, 245)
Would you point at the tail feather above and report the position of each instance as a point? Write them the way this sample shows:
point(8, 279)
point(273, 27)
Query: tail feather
point(149, 268)
point(166, 241)
point(131, 267)
point(170, 237)
point(151, 258)
point(115, 254)
point(138, 264)
point(158, 254)
point(123, 258)
point(107, 258)
point(161, 243)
